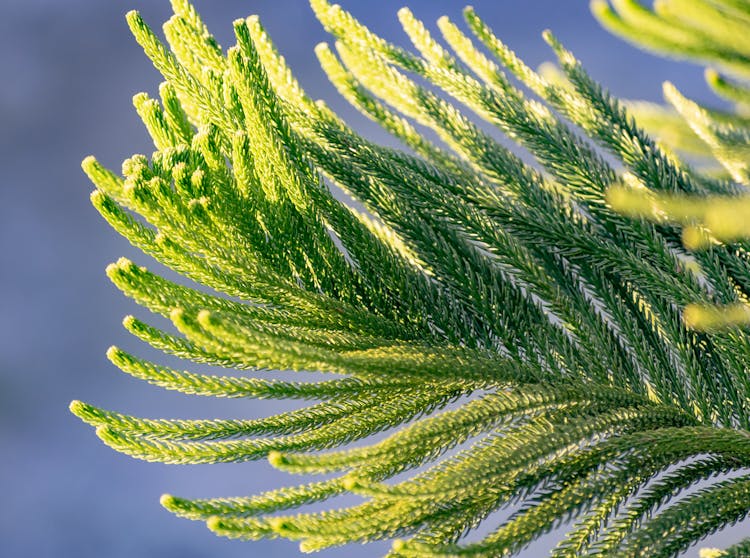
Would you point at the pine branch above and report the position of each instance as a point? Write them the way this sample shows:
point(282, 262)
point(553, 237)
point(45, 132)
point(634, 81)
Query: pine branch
point(563, 335)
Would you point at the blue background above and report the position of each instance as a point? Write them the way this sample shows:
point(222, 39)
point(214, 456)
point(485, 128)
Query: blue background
point(69, 70)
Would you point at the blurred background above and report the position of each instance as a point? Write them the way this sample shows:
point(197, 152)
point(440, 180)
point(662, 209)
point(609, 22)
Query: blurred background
point(69, 71)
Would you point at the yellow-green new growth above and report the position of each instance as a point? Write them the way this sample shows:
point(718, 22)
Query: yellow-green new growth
point(531, 335)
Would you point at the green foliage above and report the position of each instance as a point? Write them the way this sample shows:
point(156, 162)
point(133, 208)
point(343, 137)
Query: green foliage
point(700, 29)
point(524, 332)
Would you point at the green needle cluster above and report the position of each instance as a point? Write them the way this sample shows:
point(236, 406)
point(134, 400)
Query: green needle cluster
point(558, 335)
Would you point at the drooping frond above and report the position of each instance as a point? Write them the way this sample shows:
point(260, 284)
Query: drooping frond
point(522, 341)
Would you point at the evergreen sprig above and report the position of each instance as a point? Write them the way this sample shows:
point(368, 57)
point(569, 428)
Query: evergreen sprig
point(580, 363)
